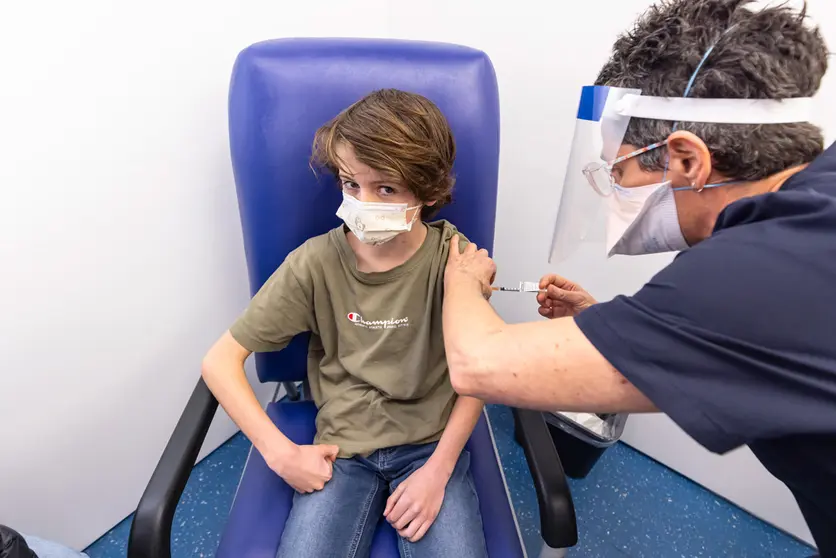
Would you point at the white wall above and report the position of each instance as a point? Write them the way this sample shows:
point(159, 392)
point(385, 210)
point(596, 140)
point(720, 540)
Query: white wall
point(119, 235)
point(120, 243)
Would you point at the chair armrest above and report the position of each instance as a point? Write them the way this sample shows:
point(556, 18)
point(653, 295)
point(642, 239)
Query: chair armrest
point(151, 528)
point(558, 526)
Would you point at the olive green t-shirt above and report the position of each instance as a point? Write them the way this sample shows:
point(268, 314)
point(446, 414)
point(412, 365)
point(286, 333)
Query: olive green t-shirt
point(376, 362)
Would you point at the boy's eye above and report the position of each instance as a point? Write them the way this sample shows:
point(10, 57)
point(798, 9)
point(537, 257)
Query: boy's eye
point(349, 185)
point(387, 190)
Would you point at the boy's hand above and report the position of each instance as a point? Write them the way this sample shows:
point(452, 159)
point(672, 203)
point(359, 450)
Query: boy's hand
point(305, 468)
point(414, 505)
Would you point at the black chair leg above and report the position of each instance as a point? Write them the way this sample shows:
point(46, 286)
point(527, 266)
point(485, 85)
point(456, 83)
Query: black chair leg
point(291, 390)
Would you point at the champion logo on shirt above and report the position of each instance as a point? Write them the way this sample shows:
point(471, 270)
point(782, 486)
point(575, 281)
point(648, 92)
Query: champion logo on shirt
point(391, 323)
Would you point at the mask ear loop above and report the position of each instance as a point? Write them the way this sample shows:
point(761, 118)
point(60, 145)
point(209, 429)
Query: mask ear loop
point(418, 209)
point(676, 124)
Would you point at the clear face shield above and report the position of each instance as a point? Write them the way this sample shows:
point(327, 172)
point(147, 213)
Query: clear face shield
point(599, 131)
point(594, 209)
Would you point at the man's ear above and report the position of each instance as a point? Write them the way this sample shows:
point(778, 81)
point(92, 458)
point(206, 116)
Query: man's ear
point(430, 203)
point(690, 160)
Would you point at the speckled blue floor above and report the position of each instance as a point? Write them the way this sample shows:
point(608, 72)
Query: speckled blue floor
point(629, 506)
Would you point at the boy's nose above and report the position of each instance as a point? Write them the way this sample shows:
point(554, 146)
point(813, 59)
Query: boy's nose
point(366, 196)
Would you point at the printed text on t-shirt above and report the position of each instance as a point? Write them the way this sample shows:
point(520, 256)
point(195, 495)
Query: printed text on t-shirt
point(391, 323)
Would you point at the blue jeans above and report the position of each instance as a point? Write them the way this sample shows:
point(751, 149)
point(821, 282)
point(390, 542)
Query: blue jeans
point(339, 521)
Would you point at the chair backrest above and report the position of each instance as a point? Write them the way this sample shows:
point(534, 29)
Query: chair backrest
point(283, 90)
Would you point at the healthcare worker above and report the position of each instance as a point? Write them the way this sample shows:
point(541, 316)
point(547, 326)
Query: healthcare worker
point(696, 139)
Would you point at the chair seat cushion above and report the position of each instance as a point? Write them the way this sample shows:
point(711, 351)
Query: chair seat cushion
point(263, 500)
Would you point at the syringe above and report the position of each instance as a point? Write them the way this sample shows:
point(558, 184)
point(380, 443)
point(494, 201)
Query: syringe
point(525, 287)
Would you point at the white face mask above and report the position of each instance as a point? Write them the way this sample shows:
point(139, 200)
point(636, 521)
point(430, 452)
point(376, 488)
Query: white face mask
point(643, 220)
point(375, 223)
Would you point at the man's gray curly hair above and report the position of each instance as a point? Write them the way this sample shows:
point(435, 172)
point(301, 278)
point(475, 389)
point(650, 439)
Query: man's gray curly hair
point(770, 54)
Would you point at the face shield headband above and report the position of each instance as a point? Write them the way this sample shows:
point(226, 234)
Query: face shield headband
point(603, 117)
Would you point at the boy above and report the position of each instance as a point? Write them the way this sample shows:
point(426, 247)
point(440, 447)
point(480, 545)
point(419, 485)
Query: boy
point(390, 429)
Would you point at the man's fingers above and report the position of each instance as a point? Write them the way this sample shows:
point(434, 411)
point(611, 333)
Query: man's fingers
point(554, 293)
point(556, 280)
point(572, 297)
point(455, 251)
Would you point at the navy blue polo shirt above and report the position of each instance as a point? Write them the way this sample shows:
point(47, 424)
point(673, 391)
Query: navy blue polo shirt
point(735, 340)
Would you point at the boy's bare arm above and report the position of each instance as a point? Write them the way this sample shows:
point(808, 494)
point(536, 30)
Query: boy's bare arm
point(223, 372)
point(305, 468)
point(463, 419)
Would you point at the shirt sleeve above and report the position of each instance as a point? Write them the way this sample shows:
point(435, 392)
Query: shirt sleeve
point(280, 310)
point(710, 341)
point(447, 234)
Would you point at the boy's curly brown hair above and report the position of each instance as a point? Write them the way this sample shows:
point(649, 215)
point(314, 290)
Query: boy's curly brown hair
point(397, 133)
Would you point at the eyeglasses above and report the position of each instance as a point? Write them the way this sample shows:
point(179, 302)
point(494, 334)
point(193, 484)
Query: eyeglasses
point(599, 175)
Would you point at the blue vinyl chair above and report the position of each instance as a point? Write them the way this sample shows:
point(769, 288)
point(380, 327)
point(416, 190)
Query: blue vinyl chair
point(281, 92)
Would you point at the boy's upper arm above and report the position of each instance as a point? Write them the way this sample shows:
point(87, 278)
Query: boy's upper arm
point(227, 349)
point(281, 309)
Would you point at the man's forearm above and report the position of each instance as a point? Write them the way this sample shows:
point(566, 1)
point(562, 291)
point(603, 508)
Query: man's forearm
point(548, 365)
point(463, 418)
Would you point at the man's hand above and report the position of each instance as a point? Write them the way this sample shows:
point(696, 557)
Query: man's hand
point(414, 505)
point(562, 297)
point(473, 265)
point(305, 468)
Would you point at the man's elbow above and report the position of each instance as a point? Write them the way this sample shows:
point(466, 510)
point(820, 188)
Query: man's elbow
point(465, 370)
point(462, 380)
